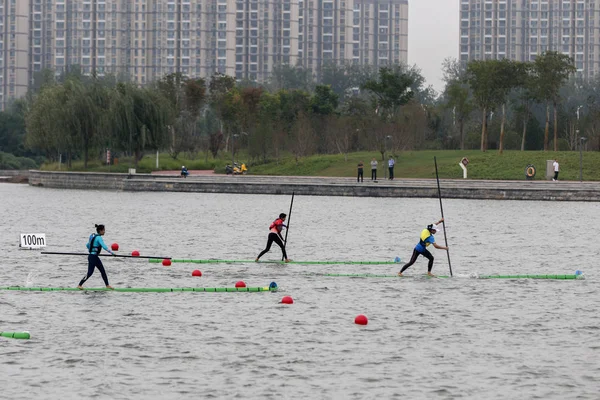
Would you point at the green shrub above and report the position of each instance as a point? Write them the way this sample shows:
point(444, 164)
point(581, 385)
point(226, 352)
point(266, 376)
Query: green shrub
point(9, 161)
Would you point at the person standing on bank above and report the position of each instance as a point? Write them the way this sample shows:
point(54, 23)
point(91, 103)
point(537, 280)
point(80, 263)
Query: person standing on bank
point(391, 163)
point(421, 248)
point(373, 169)
point(275, 236)
point(556, 170)
point(95, 245)
point(361, 167)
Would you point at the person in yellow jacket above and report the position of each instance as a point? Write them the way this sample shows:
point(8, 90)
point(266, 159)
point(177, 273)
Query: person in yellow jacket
point(421, 248)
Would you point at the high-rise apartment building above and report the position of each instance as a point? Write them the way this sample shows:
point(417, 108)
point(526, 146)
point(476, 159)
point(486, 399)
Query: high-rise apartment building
point(14, 50)
point(143, 40)
point(522, 29)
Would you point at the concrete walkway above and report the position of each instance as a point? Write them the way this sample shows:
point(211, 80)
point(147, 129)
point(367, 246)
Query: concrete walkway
point(322, 186)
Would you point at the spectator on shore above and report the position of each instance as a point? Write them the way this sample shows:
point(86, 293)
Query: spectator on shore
point(373, 169)
point(360, 177)
point(556, 169)
point(184, 171)
point(391, 163)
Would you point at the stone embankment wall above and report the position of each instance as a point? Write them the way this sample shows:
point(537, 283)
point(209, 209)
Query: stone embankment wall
point(324, 186)
point(14, 172)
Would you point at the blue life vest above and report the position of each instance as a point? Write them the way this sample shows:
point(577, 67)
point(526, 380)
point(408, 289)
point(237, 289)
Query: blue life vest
point(96, 248)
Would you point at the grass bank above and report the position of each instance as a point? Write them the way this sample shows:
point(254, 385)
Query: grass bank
point(419, 164)
point(411, 164)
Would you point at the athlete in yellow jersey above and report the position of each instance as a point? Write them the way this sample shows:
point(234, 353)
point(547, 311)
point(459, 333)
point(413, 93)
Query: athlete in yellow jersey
point(421, 248)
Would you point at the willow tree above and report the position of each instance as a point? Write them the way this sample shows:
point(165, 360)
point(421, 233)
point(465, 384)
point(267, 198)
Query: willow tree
point(47, 124)
point(86, 110)
point(186, 98)
point(139, 119)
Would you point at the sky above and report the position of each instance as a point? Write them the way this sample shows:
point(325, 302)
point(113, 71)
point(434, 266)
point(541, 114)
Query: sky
point(432, 36)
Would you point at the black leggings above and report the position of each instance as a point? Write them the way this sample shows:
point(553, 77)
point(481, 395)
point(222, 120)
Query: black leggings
point(93, 263)
point(360, 177)
point(416, 254)
point(273, 237)
point(373, 174)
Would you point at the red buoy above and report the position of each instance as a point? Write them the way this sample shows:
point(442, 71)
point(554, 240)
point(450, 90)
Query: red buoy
point(240, 284)
point(196, 273)
point(166, 262)
point(287, 300)
point(114, 247)
point(135, 253)
point(361, 320)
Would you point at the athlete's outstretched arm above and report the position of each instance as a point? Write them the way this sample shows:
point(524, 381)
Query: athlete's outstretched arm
point(437, 246)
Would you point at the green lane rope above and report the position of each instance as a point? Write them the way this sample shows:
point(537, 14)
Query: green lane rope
point(557, 277)
point(548, 277)
point(16, 335)
point(216, 261)
point(138, 290)
point(378, 276)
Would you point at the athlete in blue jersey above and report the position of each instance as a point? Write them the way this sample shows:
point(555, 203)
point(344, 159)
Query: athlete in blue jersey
point(95, 245)
point(421, 248)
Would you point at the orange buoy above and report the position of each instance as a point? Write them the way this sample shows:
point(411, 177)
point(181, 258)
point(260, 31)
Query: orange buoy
point(135, 253)
point(166, 262)
point(196, 273)
point(287, 300)
point(240, 284)
point(361, 320)
point(114, 247)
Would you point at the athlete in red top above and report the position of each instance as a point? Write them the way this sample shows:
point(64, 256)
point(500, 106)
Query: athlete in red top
point(275, 236)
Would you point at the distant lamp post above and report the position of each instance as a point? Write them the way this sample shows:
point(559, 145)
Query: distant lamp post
point(581, 142)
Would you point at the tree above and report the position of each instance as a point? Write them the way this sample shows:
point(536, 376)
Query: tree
point(552, 70)
point(69, 116)
point(186, 98)
point(262, 140)
point(482, 77)
point(139, 119)
point(12, 128)
point(324, 100)
point(390, 91)
point(337, 77)
point(288, 77)
point(302, 138)
point(220, 85)
point(526, 83)
point(508, 75)
point(47, 121)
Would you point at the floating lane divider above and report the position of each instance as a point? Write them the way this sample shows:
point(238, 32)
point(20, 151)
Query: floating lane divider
point(377, 276)
point(548, 277)
point(58, 253)
point(271, 288)
point(217, 261)
point(16, 335)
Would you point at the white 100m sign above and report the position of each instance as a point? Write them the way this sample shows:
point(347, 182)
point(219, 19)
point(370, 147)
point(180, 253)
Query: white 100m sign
point(33, 240)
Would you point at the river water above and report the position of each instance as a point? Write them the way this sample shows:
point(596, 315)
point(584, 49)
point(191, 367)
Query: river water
point(426, 338)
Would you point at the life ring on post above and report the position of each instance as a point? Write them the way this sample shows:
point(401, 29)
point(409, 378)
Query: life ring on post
point(530, 171)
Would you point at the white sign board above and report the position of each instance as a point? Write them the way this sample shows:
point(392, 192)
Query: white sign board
point(32, 240)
